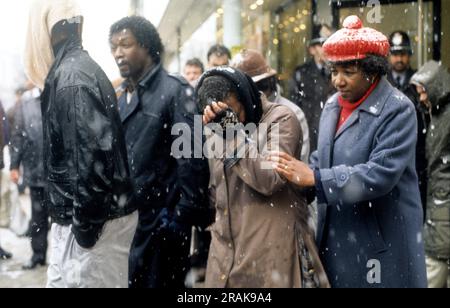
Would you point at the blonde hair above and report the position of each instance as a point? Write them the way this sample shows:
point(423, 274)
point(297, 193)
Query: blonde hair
point(43, 16)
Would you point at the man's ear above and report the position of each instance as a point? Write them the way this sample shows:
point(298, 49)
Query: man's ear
point(145, 48)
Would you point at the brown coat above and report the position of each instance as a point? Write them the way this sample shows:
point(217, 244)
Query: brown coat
point(259, 220)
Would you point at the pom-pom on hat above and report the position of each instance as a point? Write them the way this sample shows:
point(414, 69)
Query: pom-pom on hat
point(355, 42)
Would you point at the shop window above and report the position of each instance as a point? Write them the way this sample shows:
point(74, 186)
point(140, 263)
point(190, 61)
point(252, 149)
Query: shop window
point(398, 16)
point(291, 35)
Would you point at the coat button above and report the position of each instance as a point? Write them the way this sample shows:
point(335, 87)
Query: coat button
point(223, 277)
point(311, 272)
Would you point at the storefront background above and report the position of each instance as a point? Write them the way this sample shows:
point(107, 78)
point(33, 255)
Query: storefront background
point(281, 29)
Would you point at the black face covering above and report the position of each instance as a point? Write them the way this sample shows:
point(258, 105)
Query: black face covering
point(69, 38)
point(248, 93)
point(66, 31)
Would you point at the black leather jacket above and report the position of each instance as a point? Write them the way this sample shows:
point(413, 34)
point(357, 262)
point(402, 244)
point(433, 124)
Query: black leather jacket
point(85, 158)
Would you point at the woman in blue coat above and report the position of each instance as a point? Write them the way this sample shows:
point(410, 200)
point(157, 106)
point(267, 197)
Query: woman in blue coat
point(370, 216)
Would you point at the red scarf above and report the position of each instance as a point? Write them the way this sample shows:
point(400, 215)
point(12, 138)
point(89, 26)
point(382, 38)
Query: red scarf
point(347, 108)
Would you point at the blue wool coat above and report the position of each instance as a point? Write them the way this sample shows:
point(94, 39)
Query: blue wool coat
point(370, 221)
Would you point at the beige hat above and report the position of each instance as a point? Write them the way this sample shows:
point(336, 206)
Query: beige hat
point(253, 64)
point(44, 14)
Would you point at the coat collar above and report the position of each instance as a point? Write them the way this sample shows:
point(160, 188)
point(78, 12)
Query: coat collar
point(373, 105)
point(267, 107)
point(377, 100)
point(145, 81)
point(125, 109)
point(62, 51)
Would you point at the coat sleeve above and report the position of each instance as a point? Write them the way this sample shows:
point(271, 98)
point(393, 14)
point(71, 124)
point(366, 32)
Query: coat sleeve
point(254, 170)
point(192, 172)
point(314, 160)
point(17, 139)
point(393, 149)
point(440, 171)
point(87, 134)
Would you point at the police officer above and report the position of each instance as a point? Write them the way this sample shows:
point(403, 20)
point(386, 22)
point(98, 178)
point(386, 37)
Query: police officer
point(310, 88)
point(400, 58)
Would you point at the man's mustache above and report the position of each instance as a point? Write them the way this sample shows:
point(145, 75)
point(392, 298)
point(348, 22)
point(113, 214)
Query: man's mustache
point(121, 62)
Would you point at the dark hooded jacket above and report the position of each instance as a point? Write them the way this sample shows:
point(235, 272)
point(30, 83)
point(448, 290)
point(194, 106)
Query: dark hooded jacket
point(85, 158)
point(436, 81)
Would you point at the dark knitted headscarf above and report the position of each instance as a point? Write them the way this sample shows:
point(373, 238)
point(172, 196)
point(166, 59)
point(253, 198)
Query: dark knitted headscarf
point(247, 92)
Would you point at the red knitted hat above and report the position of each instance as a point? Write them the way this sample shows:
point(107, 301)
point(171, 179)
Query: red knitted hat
point(354, 42)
